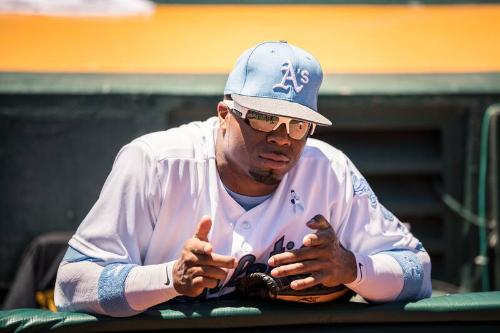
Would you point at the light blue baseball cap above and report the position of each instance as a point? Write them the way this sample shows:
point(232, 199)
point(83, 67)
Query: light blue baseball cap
point(280, 79)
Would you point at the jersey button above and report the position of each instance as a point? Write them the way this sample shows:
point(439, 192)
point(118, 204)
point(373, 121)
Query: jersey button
point(246, 225)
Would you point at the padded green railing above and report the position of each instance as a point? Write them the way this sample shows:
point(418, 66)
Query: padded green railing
point(470, 311)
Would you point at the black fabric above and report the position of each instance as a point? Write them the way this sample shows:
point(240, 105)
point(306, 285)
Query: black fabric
point(37, 269)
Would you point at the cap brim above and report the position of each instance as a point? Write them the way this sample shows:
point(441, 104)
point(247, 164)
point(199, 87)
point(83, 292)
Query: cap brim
point(281, 107)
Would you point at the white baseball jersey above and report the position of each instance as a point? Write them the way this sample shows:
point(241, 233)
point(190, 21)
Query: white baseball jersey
point(162, 183)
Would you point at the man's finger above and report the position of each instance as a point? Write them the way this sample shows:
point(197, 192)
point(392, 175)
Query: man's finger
point(289, 257)
point(203, 228)
point(201, 282)
point(318, 223)
point(197, 246)
point(302, 267)
point(219, 260)
point(209, 272)
point(211, 259)
point(320, 237)
point(307, 282)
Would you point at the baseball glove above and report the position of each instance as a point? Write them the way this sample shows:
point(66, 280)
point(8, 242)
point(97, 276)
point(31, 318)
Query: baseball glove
point(262, 285)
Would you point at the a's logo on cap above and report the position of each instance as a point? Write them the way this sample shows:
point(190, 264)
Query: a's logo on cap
point(290, 75)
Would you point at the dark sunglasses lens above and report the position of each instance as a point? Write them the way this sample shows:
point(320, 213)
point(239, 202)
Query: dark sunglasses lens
point(299, 129)
point(262, 122)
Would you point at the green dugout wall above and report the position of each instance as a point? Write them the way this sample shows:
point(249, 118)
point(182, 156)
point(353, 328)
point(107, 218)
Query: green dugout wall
point(415, 137)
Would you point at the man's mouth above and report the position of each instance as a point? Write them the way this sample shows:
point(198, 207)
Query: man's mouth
point(274, 160)
point(277, 157)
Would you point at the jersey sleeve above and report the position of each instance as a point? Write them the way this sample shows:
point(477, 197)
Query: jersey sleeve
point(392, 263)
point(103, 270)
point(119, 225)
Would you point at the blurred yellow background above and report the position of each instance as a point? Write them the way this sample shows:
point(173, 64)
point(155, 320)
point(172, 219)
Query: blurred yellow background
point(208, 38)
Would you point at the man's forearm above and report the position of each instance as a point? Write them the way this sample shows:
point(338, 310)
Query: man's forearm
point(147, 286)
point(116, 290)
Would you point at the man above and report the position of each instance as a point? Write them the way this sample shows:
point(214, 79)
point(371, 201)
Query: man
point(191, 210)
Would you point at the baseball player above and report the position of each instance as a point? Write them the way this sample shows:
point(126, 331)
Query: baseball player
point(190, 211)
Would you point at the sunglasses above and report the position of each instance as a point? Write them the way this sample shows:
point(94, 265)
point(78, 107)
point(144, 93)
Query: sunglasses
point(297, 129)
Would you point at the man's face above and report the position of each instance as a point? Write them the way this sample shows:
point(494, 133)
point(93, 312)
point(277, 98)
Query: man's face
point(252, 162)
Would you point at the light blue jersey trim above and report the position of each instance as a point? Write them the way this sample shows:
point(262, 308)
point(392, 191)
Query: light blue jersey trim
point(413, 274)
point(73, 255)
point(246, 201)
point(111, 290)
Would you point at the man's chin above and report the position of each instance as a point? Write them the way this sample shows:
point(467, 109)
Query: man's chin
point(268, 178)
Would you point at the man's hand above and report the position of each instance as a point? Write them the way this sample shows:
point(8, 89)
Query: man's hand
point(198, 267)
point(323, 257)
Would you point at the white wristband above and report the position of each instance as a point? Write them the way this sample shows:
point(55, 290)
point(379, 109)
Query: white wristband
point(150, 285)
point(361, 267)
point(380, 277)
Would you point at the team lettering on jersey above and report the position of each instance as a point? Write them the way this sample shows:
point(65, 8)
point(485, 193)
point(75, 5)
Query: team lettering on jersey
point(247, 265)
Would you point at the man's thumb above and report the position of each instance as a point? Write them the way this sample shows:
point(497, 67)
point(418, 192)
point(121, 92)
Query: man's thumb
point(318, 223)
point(203, 228)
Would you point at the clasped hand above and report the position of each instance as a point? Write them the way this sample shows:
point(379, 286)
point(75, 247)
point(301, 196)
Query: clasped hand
point(323, 258)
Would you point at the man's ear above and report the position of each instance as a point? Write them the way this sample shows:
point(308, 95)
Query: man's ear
point(222, 112)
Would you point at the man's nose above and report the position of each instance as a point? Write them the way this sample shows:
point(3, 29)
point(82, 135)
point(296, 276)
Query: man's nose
point(279, 136)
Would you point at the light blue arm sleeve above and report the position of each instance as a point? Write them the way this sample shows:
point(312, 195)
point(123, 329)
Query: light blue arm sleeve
point(111, 290)
point(416, 274)
point(110, 286)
